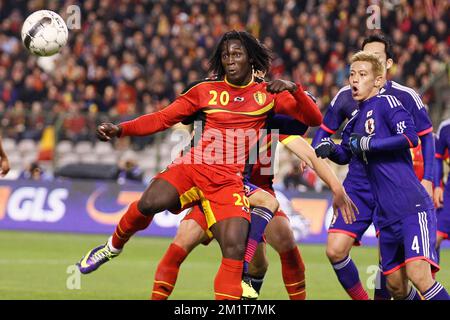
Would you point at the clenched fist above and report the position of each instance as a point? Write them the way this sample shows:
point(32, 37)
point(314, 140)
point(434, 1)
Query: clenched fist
point(106, 131)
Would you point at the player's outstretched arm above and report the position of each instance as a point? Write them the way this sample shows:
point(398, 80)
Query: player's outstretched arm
point(150, 123)
point(4, 162)
point(341, 201)
point(295, 102)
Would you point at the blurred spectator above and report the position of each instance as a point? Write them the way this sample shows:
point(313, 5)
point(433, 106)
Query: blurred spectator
point(129, 170)
point(35, 172)
point(130, 53)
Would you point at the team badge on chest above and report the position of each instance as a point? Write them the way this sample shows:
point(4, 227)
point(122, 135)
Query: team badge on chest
point(260, 97)
point(370, 126)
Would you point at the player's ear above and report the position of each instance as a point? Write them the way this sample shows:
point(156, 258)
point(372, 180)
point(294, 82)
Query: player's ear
point(389, 63)
point(378, 81)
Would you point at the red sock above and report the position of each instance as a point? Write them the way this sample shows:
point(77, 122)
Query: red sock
point(357, 292)
point(130, 223)
point(227, 284)
point(167, 272)
point(293, 271)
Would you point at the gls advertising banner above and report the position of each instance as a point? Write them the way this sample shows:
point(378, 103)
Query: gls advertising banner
point(96, 207)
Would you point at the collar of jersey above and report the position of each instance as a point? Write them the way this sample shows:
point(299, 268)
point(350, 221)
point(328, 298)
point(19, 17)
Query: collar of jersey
point(365, 102)
point(235, 86)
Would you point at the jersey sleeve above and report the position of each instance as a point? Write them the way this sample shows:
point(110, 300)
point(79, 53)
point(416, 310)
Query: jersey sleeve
point(441, 138)
point(342, 153)
point(183, 107)
point(413, 103)
point(286, 125)
point(334, 117)
point(399, 120)
point(299, 105)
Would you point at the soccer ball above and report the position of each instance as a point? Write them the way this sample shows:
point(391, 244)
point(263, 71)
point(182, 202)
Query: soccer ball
point(44, 33)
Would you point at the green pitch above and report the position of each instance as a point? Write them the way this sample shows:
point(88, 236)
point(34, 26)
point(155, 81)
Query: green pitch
point(38, 266)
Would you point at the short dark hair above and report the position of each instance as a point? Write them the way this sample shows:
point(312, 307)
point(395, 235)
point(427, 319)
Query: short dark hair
point(378, 37)
point(260, 55)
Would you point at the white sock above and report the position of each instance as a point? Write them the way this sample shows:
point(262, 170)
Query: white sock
point(111, 247)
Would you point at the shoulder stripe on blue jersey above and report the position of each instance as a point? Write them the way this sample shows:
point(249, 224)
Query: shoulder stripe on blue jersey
point(347, 87)
point(411, 92)
point(393, 101)
point(441, 126)
point(388, 100)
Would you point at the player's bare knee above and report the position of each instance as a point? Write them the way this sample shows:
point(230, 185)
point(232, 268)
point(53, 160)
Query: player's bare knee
point(285, 242)
point(270, 203)
point(421, 280)
point(234, 251)
point(336, 253)
point(397, 290)
point(188, 241)
point(146, 206)
point(266, 200)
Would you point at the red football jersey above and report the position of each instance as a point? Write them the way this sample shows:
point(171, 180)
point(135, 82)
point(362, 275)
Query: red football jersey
point(232, 117)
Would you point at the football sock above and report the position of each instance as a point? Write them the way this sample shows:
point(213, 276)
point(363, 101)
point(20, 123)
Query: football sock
point(131, 222)
point(293, 272)
point(349, 278)
point(436, 292)
point(413, 295)
point(381, 290)
point(227, 284)
point(257, 283)
point(167, 272)
point(260, 218)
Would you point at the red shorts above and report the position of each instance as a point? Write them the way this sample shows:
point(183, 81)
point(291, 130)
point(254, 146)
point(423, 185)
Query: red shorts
point(198, 216)
point(221, 195)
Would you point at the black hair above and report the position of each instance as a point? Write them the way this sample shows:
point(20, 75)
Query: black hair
point(378, 37)
point(259, 55)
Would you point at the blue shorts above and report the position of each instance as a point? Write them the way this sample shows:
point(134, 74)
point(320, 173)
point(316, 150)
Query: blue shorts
point(443, 216)
point(250, 188)
point(408, 239)
point(365, 202)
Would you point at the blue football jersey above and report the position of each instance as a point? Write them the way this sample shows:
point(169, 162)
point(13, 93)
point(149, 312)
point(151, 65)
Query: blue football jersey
point(343, 107)
point(397, 190)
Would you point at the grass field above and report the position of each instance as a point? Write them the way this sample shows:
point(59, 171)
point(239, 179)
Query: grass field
point(36, 265)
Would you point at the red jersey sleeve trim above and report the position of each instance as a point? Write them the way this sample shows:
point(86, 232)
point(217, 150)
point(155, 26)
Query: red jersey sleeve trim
point(424, 132)
point(438, 156)
point(325, 128)
point(409, 141)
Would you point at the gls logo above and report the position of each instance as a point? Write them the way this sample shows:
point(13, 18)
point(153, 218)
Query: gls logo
point(30, 204)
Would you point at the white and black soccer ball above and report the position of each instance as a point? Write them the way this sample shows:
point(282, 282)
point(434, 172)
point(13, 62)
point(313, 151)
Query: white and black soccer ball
point(44, 33)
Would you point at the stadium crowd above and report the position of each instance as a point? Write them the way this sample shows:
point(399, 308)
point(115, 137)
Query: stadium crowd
point(134, 56)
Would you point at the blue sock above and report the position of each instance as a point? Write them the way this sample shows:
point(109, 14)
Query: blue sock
point(436, 292)
point(260, 218)
point(257, 283)
point(413, 295)
point(381, 290)
point(349, 278)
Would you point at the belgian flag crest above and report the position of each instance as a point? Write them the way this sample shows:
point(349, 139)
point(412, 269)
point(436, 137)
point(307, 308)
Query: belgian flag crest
point(260, 97)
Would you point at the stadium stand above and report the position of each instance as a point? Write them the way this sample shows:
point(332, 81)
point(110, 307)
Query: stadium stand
point(137, 58)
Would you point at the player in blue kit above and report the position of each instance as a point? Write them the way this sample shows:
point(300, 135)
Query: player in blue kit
point(379, 137)
point(342, 236)
point(442, 195)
